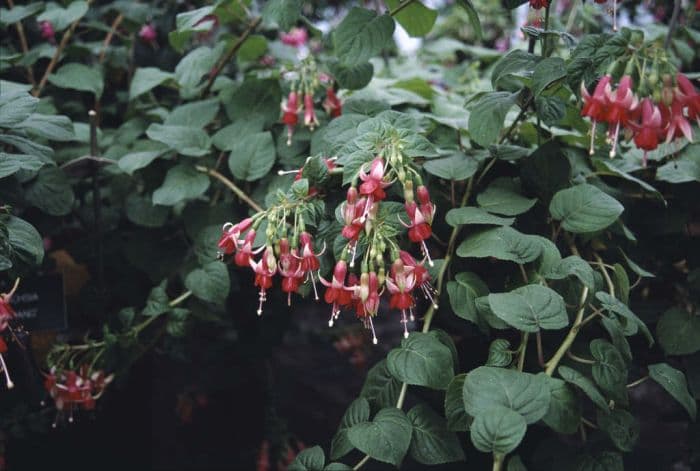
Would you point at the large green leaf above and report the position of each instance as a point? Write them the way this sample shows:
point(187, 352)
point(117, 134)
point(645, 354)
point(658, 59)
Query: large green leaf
point(188, 23)
point(421, 360)
point(141, 210)
point(61, 18)
point(192, 68)
point(673, 381)
point(352, 77)
point(13, 163)
point(51, 192)
point(685, 169)
point(381, 389)
point(210, 283)
point(146, 79)
point(362, 35)
point(548, 72)
point(498, 430)
point(386, 438)
point(133, 161)
point(254, 99)
point(51, 127)
point(572, 266)
point(196, 114)
point(26, 243)
point(587, 386)
point(584, 208)
point(516, 63)
point(473, 215)
point(416, 18)
point(463, 293)
point(609, 369)
point(16, 107)
point(431, 441)
point(457, 166)
point(283, 12)
point(79, 77)
point(252, 156)
point(615, 306)
point(19, 12)
point(309, 459)
point(564, 414)
point(524, 393)
point(357, 412)
point(503, 243)
point(185, 140)
point(182, 182)
point(503, 197)
point(621, 427)
point(679, 332)
point(487, 116)
point(530, 308)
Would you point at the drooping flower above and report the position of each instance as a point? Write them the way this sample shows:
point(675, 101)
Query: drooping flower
point(621, 109)
point(71, 389)
point(310, 119)
point(264, 270)
point(309, 259)
point(678, 124)
point(691, 98)
point(290, 269)
point(245, 251)
point(290, 117)
point(422, 276)
point(648, 132)
point(373, 183)
point(418, 227)
point(595, 106)
point(400, 285)
point(228, 243)
point(332, 103)
point(336, 292)
point(296, 37)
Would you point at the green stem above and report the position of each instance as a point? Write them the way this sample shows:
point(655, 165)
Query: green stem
point(522, 349)
point(231, 186)
point(498, 460)
point(400, 7)
point(569, 340)
point(545, 53)
point(638, 382)
point(604, 271)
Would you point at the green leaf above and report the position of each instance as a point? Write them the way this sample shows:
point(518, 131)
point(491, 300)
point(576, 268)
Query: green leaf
point(337, 467)
point(362, 35)
point(615, 306)
point(283, 12)
point(431, 442)
point(352, 77)
point(421, 360)
point(564, 414)
point(524, 393)
point(51, 127)
point(51, 192)
point(679, 332)
point(584, 208)
point(254, 99)
point(196, 114)
point(18, 13)
point(133, 161)
point(188, 23)
point(357, 412)
point(142, 211)
point(386, 438)
point(609, 370)
point(487, 116)
point(13, 163)
point(226, 137)
point(61, 18)
point(253, 48)
point(548, 73)
point(381, 389)
point(252, 156)
point(503, 197)
point(416, 18)
point(473, 17)
point(545, 171)
point(572, 266)
point(79, 77)
point(498, 430)
point(685, 169)
point(185, 140)
point(600, 461)
point(516, 63)
point(146, 79)
point(636, 268)
point(182, 182)
point(457, 166)
point(673, 381)
point(309, 459)
point(15, 108)
point(503, 243)
point(157, 302)
point(530, 308)
point(27, 245)
point(197, 64)
point(587, 386)
point(210, 283)
point(621, 427)
point(463, 293)
point(472, 215)
point(499, 354)
point(457, 418)
point(516, 464)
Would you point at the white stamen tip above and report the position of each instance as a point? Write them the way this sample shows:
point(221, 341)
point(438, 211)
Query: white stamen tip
point(431, 263)
point(405, 334)
point(375, 341)
point(10, 384)
point(70, 419)
point(330, 323)
point(260, 312)
point(435, 305)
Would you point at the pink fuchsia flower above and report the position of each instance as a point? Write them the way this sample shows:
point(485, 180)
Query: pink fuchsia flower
point(264, 270)
point(373, 184)
point(228, 243)
point(622, 108)
point(690, 97)
point(47, 31)
point(648, 132)
point(400, 285)
point(290, 110)
point(309, 259)
point(337, 293)
point(148, 33)
point(366, 298)
point(332, 104)
point(422, 276)
point(290, 269)
point(310, 119)
point(678, 124)
point(296, 37)
point(418, 228)
point(595, 106)
point(245, 251)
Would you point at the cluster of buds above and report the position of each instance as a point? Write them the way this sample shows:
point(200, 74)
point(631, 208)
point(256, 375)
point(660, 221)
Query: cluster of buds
point(665, 115)
point(301, 97)
point(71, 389)
point(7, 314)
point(47, 31)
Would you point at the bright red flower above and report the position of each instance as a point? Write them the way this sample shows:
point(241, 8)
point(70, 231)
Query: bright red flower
point(400, 285)
point(691, 98)
point(678, 124)
point(337, 293)
point(648, 132)
point(264, 269)
point(595, 106)
point(373, 183)
point(332, 104)
point(422, 276)
point(418, 229)
point(290, 111)
point(245, 251)
point(228, 243)
point(310, 119)
point(622, 108)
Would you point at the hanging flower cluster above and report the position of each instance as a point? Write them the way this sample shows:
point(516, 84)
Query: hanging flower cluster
point(7, 314)
point(75, 389)
point(304, 83)
point(648, 121)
